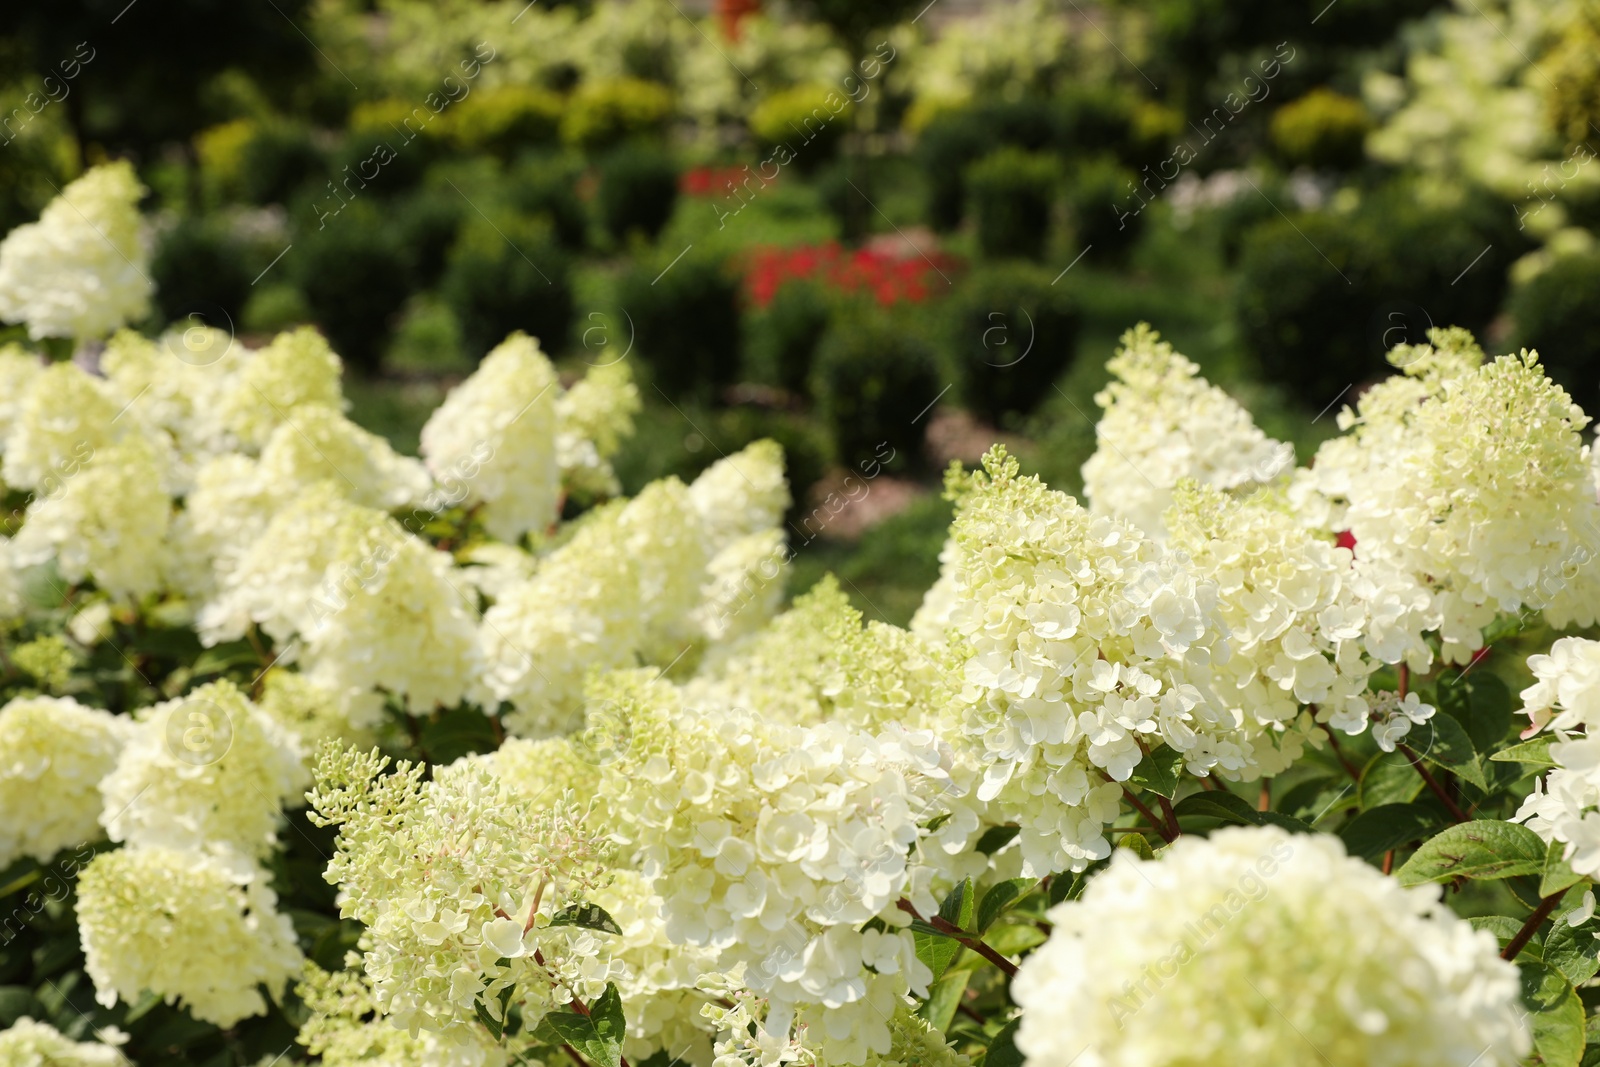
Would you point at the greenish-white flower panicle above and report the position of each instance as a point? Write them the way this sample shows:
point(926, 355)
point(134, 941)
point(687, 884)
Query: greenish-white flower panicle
point(776, 844)
point(18, 369)
point(666, 984)
point(175, 386)
point(82, 270)
point(457, 882)
point(541, 772)
point(743, 587)
point(741, 494)
point(661, 533)
point(495, 437)
point(1258, 948)
point(27, 1043)
point(12, 602)
point(368, 605)
point(106, 520)
point(204, 771)
point(1565, 698)
point(318, 444)
point(1163, 423)
point(1294, 622)
point(579, 612)
point(202, 932)
point(1081, 643)
point(932, 618)
point(592, 419)
point(314, 710)
point(744, 1040)
point(60, 420)
point(226, 510)
point(1467, 482)
point(345, 1028)
point(296, 370)
point(54, 752)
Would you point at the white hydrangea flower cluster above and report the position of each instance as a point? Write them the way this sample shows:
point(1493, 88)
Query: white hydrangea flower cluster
point(1083, 645)
point(296, 370)
point(458, 882)
point(27, 1043)
point(592, 419)
point(206, 772)
point(81, 270)
point(345, 1028)
point(666, 984)
point(1294, 621)
point(199, 931)
point(369, 605)
point(774, 844)
point(53, 754)
point(651, 578)
point(1163, 423)
point(1254, 947)
point(18, 369)
point(1461, 483)
point(500, 425)
point(1565, 698)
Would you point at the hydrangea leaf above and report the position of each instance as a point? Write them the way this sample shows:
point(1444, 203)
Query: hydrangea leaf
point(1485, 849)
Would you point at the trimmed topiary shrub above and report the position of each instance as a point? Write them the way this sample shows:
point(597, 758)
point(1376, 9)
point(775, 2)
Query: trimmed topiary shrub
point(504, 120)
point(505, 276)
point(783, 336)
point(1102, 208)
point(355, 273)
point(543, 185)
point(199, 267)
point(686, 322)
point(605, 113)
point(1322, 129)
point(638, 190)
point(1012, 192)
point(874, 381)
point(1010, 336)
point(811, 120)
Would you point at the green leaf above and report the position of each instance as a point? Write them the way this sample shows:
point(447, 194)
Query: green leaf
point(1012, 939)
point(589, 916)
point(1480, 702)
point(996, 838)
point(221, 658)
point(1557, 875)
point(1556, 1015)
point(1388, 778)
point(959, 907)
point(1158, 771)
point(1486, 849)
point(999, 897)
point(1003, 1048)
point(17, 1001)
point(1444, 741)
point(944, 997)
point(1387, 826)
point(456, 733)
point(1231, 808)
point(1138, 844)
point(935, 948)
point(1571, 949)
point(1070, 887)
point(1535, 752)
point(1504, 928)
point(597, 1036)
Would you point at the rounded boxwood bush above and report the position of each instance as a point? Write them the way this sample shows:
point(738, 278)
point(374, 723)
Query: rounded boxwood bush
point(1321, 129)
point(505, 276)
point(198, 268)
point(505, 119)
point(686, 322)
point(1012, 192)
point(874, 379)
point(605, 113)
point(1556, 312)
point(638, 190)
point(1323, 296)
point(784, 335)
point(1105, 215)
point(355, 273)
point(810, 119)
point(1011, 334)
point(544, 185)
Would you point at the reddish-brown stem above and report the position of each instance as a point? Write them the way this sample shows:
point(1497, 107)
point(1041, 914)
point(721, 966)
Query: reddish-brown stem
point(1433, 785)
point(1405, 680)
point(1264, 802)
point(1388, 862)
point(1333, 743)
point(1161, 828)
point(951, 930)
point(972, 1014)
point(1171, 816)
point(1531, 927)
point(1208, 784)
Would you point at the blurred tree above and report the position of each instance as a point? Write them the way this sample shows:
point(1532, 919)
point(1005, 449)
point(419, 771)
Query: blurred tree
point(143, 65)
